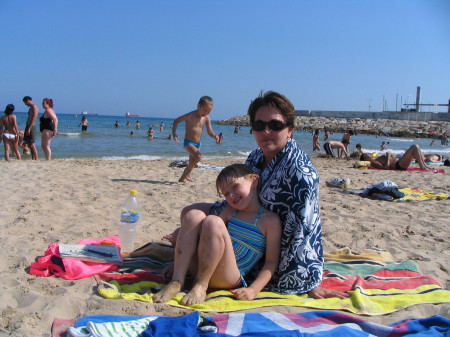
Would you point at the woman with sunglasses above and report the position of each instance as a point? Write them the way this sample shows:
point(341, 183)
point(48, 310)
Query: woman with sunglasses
point(289, 187)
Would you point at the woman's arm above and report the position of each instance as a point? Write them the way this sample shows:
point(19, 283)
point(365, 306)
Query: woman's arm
point(375, 163)
point(15, 127)
point(54, 120)
point(272, 225)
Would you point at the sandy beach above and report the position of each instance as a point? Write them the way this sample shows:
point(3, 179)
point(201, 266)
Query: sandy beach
point(66, 201)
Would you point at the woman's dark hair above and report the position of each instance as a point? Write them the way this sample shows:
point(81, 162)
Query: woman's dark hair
point(274, 100)
point(49, 101)
point(9, 109)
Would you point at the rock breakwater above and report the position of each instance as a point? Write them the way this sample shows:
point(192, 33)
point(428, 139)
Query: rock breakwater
point(385, 127)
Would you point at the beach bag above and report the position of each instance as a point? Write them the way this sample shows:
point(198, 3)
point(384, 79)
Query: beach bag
point(51, 264)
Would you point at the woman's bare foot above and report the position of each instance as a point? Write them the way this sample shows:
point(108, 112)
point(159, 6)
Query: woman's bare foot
point(195, 296)
point(168, 292)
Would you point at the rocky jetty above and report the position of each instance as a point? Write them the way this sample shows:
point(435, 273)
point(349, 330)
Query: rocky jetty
point(384, 127)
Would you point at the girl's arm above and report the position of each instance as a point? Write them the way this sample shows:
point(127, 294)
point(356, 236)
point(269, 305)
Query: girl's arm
point(272, 224)
point(226, 213)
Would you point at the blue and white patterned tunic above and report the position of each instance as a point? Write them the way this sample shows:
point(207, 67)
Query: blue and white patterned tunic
point(289, 187)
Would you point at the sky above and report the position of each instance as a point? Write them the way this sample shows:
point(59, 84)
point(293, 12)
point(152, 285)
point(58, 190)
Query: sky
point(157, 58)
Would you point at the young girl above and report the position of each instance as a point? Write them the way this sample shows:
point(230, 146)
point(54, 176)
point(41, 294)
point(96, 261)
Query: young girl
point(221, 250)
point(316, 140)
point(9, 132)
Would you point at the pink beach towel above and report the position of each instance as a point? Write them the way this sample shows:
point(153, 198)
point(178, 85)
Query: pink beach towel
point(51, 264)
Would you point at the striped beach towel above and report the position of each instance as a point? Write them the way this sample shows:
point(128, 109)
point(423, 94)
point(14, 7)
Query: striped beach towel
point(315, 323)
point(376, 286)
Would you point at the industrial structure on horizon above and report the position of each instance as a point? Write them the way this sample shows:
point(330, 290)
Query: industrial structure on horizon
point(407, 113)
point(419, 103)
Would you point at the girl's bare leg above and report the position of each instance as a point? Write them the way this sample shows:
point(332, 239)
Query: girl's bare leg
point(185, 249)
point(204, 207)
point(216, 261)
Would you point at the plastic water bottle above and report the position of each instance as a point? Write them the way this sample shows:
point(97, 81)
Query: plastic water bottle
point(129, 216)
point(346, 183)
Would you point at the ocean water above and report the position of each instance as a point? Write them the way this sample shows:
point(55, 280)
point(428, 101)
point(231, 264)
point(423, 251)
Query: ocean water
point(103, 141)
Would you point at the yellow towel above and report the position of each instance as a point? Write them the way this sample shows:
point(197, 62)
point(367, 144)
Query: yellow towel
point(361, 163)
point(346, 254)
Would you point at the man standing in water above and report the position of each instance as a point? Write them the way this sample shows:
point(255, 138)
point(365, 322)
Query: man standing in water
point(30, 129)
point(195, 120)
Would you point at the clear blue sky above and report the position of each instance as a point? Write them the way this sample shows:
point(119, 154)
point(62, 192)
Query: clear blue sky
point(156, 58)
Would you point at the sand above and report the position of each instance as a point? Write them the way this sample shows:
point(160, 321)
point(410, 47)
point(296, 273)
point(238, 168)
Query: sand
point(66, 201)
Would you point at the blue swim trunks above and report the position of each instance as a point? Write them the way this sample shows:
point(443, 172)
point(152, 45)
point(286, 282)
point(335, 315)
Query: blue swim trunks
point(188, 142)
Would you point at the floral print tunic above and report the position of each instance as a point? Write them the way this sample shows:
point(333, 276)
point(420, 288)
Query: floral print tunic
point(289, 187)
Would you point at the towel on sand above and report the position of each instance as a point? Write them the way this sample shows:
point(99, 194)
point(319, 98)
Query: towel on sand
point(315, 323)
point(51, 264)
point(412, 169)
point(410, 195)
point(375, 287)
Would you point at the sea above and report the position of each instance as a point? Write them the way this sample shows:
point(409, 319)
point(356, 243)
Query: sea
point(103, 141)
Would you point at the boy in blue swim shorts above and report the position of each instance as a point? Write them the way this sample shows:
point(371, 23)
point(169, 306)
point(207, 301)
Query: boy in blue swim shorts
point(195, 120)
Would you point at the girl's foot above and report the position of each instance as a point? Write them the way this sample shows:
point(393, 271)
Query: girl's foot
point(167, 293)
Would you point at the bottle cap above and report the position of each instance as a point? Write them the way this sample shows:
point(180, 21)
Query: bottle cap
point(133, 192)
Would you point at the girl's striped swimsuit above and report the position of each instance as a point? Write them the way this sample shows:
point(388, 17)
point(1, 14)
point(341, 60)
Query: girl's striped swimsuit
point(249, 244)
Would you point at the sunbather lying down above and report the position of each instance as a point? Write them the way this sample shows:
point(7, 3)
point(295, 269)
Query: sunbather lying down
point(432, 158)
point(390, 162)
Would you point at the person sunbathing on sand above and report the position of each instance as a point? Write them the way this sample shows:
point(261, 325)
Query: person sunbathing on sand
point(390, 162)
point(221, 250)
point(433, 158)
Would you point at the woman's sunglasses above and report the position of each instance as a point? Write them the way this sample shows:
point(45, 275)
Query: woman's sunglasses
point(274, 125)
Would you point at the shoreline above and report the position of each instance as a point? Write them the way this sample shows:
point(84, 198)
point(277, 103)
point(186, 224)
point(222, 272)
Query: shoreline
point(66, 201)
point(380, 127)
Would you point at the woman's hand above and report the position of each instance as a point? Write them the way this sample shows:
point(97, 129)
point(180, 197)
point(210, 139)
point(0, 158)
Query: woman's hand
point(172, 237)
point(244, 293)
point(167, 273)
point(320, 293)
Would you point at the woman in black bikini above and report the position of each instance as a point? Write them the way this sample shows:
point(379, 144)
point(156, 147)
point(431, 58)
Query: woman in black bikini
point(9, 132)
point(48, 126)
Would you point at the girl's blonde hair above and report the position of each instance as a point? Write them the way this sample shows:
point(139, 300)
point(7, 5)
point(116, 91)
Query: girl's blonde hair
point(233, 172)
